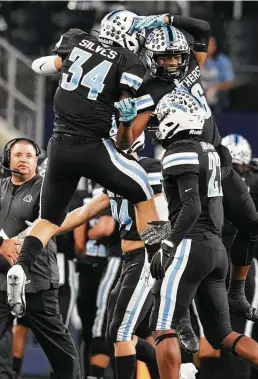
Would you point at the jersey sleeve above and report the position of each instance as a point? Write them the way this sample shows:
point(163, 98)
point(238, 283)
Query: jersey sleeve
point(67, 42)
point(144, 97)
point(188, 187)
point(153, 169)
point(180, 159)
point(131, 72)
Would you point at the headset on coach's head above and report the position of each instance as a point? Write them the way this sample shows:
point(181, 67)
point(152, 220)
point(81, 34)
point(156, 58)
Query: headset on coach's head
point(7, 152)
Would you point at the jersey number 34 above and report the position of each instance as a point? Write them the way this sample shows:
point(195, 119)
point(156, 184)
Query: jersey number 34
point(94, 79)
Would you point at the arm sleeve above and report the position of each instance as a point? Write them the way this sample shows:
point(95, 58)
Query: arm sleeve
point(191, 207)
point(131, 72)
point(199, 29)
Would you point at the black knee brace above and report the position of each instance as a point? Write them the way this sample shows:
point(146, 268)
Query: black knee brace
point(164, 336)
point(235, 343)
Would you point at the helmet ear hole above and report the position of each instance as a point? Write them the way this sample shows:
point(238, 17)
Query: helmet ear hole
point(117, 27)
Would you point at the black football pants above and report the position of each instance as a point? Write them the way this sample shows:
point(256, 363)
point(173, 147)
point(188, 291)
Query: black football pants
point(44, 319)
point(240, 210)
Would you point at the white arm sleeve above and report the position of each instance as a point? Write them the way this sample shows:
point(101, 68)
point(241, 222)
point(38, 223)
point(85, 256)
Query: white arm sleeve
point(162, 207)
point(44, 65)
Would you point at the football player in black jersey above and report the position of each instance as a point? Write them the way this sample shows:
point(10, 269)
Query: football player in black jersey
point(192, 259)
point(126, 306)
point(131, 299)
point(173, 65)
point(222, 364)
point(94, 75)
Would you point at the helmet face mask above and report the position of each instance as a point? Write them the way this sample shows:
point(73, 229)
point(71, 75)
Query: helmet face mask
point(167, 53)
point(169, 66)
point(117, 29)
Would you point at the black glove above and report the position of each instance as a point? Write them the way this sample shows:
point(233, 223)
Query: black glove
point(156, 232)
point(151, 250)
point(162, 259)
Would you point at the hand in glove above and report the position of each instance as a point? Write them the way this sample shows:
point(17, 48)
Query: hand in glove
point(127, 108)
point(156, 232)
point(162, 259)
point(151, 22)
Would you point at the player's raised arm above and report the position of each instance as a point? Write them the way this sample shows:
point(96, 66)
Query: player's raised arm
point(53, 63)
point(85, 213)
point(199, 29)
point(201, 32)
point(47, 65)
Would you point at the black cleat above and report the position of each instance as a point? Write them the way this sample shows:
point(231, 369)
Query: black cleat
point(187, 338)
point(242, 308)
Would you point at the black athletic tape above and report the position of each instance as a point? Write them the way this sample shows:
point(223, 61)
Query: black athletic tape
point(235, 342)
point(164, 336)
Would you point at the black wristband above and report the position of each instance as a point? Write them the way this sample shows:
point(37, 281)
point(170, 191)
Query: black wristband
point(1, 241)
point(200, 47)
point(127, 124)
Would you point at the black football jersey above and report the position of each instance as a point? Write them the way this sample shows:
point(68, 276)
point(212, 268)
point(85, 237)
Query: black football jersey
point(152, 91)
point(123, 211)
point(108, 246)
point(95, 248)
point(187, 157)
point(229, 230)
point(92, 78)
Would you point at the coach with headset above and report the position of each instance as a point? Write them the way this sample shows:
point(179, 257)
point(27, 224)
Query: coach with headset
point(19, 204)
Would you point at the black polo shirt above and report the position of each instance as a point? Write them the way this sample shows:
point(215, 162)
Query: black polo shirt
point(20, 203)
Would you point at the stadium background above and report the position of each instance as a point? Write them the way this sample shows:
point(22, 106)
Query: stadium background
point(31, 29)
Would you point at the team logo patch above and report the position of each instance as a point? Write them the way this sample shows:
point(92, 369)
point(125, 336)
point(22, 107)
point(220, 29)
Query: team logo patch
point(28, 198)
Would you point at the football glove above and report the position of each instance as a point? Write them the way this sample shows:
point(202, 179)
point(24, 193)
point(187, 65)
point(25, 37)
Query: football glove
point(127, 108)
point(162, 259)
point(150, 22)
point(156, 232)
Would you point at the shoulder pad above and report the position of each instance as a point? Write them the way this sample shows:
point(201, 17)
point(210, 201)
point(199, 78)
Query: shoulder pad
point(181, 158)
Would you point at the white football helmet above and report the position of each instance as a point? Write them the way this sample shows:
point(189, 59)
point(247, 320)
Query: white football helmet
point(118, 27)
point(167, 41)
point(179, 111)
point(239, 148)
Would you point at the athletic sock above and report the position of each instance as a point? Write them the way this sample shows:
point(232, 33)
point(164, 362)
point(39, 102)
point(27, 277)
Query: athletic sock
point(236, 294)
point(31, 248)
point(96, 372)
point(146, 353)
point(125, 366)
point(17, 365)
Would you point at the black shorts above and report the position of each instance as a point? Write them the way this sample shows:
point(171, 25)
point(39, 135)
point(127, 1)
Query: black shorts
point(198, 267)
point(130, 300)
point(71, 157)
point(106, 285)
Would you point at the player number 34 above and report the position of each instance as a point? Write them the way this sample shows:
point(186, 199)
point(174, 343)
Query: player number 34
point(94, 79)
